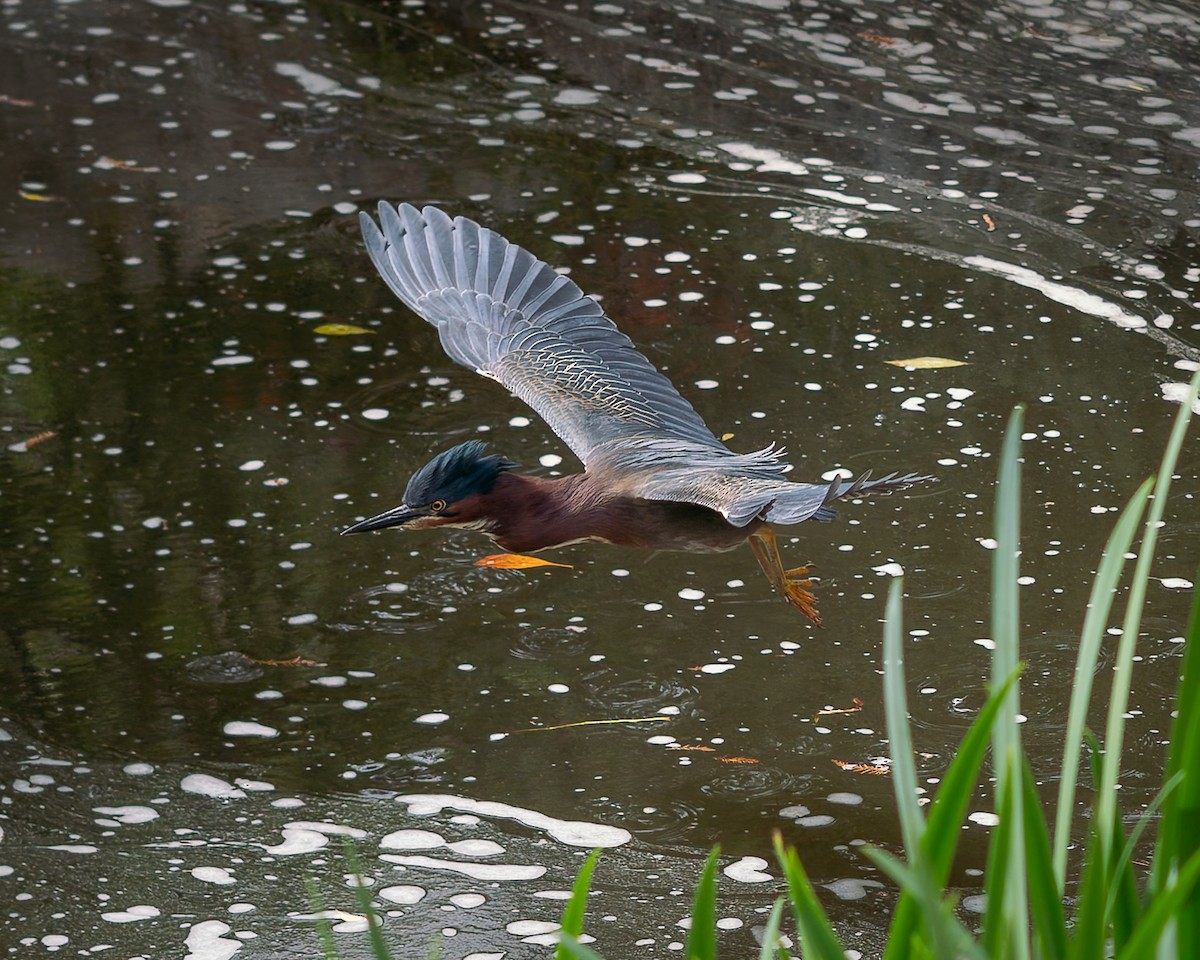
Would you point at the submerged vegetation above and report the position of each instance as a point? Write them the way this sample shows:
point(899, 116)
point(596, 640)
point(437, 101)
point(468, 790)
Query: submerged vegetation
point(1034, 908)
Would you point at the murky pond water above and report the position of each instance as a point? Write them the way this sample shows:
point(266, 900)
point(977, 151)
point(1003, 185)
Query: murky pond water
point(204, 689)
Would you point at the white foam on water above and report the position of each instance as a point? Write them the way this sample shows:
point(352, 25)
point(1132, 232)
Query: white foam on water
point(297, 841)
point(748, 870)
point(216, 875)
point(205, 941)
point(1067, 295)
point(403, 893)
point(128, 814)
point(132, 914)
point(476, 871)
point(209, 786)
point(575, 833)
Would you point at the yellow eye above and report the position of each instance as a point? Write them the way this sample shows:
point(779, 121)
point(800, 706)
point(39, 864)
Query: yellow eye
point(438, 506)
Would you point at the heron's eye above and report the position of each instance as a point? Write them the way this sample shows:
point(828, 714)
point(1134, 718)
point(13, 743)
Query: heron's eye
point(438, 506)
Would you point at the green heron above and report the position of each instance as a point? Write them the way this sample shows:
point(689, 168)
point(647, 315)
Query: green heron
point(654, 475)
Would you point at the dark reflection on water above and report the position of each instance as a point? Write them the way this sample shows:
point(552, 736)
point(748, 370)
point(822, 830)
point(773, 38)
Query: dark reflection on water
point(772, 199)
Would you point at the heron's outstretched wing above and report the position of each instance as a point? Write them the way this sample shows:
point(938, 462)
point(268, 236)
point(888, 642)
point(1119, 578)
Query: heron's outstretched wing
point(507, 315)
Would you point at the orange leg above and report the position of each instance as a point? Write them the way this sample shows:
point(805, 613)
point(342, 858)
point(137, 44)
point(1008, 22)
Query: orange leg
point(794, 583)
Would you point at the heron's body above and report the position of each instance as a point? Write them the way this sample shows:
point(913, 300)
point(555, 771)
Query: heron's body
point(654, 475)
point(583, 506)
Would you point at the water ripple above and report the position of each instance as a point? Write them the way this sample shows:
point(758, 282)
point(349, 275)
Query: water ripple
point(640, 695)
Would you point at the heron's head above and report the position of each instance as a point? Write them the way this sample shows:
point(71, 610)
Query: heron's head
point(447, 491)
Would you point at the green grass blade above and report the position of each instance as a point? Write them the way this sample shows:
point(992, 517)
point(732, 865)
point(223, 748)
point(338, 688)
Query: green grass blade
point(1122, 675)
point(1147, 817)
point(324, 927)
point(1095, 623)
point(362, 894)
point(576, 950)
point(1122, 908)
point(771, 948)
point(1006, 736)
point(895, 704)
point(816, 935)
point(572, 919)
point(1049, 921)
point(944, 824)
point(1179, 830)
point(948, 937)
point(998, 932)
point(1165, 907)
point(1089, 928)
point(701, 941)
point(904, 770)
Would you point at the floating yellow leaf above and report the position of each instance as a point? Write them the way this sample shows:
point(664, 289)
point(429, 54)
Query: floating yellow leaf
point(737, 759)
point(726, 436)
point(516, 561)
point(38, 197)
point(340, 329)
point(927, 363)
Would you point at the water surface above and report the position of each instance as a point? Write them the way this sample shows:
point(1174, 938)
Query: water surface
point(772, 199)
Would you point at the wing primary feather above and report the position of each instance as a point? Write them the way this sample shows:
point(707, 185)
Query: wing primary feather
point(483, 253)
point(504, 277)
point(516, 296)
point(554, 287)
point(440, 243)
point(463, 248)
point(416, 248)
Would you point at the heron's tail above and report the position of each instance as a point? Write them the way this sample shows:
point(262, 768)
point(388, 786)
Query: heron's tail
point(804, 501)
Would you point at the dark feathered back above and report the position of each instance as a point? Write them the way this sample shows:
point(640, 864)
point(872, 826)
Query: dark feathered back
point(455, 474)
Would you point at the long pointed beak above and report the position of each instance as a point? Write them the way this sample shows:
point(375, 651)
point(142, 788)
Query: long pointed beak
point(397, 516)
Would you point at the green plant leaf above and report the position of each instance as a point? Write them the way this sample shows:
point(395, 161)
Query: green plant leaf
point(1165, 907)
point(1122, 908)
point(324, 927)
point(576, 950)
point(949, 938)
point(1095, 623)
point(923, 889)
point(701, 941)
point(817, 938)
point(1179, 830)
point(771, 948)
point(1049, 922)
point(572, 920)
point(944, 824)
point(362, 894)
point(1006, 731)
point(1089, 931)
point(998, 929)
point(1123, 667)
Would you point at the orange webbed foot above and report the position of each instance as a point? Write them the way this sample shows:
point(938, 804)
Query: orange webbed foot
point(796, 594)
point(794, 583)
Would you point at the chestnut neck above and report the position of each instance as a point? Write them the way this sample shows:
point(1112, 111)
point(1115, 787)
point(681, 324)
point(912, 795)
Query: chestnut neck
point(530, 513)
